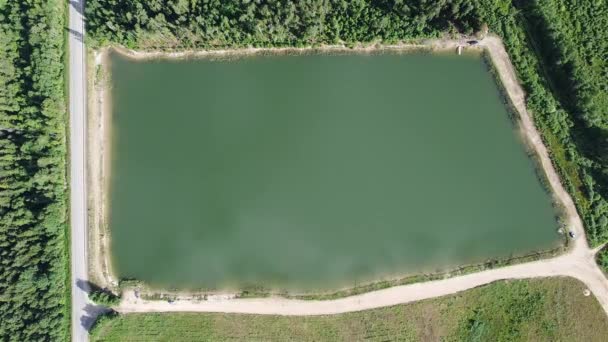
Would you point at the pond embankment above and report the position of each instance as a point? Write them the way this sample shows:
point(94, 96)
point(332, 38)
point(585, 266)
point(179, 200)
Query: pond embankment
point(509, 82)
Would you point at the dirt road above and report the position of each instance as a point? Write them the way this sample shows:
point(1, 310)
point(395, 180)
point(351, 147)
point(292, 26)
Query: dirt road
point(578, 262)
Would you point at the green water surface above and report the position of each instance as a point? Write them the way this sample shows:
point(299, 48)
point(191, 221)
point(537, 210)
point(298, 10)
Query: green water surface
point(315, 171)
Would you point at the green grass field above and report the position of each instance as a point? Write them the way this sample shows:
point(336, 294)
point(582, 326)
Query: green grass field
point(550, 309)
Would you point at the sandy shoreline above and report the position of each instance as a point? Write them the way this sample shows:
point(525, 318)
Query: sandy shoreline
point(99, 133)
point(437, 45)
point(98, 167)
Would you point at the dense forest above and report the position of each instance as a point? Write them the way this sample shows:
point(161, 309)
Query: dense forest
point(571, 39)
point(220, 23)
point(559, 48)
point(33, 255)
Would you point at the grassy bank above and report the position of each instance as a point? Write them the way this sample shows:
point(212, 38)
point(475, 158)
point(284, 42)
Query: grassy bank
point(374, 286)
point(259, 291)
point(532, 310)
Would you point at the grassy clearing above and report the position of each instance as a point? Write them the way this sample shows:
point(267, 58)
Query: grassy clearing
point(532, 310)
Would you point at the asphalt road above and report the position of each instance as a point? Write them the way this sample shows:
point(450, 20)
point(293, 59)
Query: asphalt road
point(83, 313)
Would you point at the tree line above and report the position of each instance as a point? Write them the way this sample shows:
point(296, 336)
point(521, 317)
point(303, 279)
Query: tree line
point(33, 254)
point(171, 24)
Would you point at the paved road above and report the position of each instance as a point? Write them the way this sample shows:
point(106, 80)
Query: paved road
point(82, 311)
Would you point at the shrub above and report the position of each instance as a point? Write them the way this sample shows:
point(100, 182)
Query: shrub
point(104, 297)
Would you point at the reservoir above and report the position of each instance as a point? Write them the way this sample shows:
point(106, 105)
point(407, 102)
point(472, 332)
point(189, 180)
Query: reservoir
point(315, 171)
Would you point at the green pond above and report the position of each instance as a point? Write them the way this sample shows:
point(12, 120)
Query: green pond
point(315, 171)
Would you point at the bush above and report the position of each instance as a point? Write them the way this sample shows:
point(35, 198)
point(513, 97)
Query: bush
point(102, 320)
point(104, 297)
